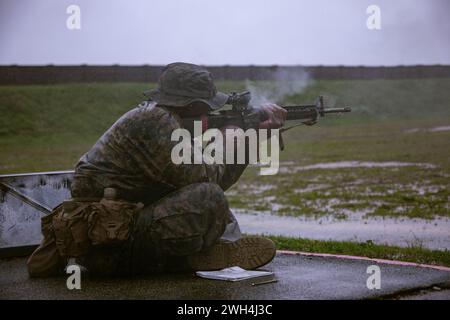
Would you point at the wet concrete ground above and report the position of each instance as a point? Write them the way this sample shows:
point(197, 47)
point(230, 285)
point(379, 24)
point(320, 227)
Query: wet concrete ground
point(299, 277)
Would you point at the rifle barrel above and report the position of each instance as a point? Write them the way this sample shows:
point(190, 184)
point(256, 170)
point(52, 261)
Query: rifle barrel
point(311, 112)
point(337, 110)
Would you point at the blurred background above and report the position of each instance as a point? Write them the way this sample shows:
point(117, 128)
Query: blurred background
point(266, 32)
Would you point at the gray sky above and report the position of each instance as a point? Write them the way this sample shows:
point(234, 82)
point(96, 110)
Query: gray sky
point(260, 32)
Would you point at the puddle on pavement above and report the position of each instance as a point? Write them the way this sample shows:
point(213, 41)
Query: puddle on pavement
point(404, 232)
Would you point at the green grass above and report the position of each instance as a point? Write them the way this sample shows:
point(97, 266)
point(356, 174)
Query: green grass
point(413, 192)
point(88, 109)
point(369, 249)
point(84, 110)
point(49, 127)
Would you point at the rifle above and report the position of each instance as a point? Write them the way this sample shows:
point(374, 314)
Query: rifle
point(245, 116)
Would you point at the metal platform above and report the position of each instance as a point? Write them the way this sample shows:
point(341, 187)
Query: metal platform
point(24, 199)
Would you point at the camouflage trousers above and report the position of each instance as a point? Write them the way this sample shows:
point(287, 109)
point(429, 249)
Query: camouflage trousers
point(184, 222)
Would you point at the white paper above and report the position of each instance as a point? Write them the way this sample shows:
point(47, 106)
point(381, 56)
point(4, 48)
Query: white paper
point(233, 274)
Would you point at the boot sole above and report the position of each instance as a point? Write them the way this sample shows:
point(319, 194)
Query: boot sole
point(247, 253)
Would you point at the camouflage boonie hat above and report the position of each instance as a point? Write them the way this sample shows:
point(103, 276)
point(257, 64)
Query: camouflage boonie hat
point(183, 83)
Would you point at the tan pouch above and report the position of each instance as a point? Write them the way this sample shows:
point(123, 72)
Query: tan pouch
point(111, 221)
point(71, 228)
point(45, 260)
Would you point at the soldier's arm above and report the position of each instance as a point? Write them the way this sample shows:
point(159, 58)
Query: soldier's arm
point(180, 175)
point(225, 175)
point(276, 117)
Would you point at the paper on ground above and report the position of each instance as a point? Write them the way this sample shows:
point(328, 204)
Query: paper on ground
point(233, 274)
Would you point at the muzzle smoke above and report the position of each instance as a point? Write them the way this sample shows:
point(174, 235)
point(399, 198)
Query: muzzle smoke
point(278, 85)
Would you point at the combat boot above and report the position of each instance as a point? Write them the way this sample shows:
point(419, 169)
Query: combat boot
point(247, 253)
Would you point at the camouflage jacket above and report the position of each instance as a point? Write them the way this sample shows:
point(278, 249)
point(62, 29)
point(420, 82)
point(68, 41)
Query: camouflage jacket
point(134, 156)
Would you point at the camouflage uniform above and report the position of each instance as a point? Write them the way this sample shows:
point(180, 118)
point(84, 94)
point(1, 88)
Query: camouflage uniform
point(185, 207)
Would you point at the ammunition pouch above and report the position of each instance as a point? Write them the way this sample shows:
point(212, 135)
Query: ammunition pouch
point(111, 222)
point(45, 260)
point(70, 226)
point(81, 225)
point(77, 225)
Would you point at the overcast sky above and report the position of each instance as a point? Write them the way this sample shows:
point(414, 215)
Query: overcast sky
point(260, 32)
